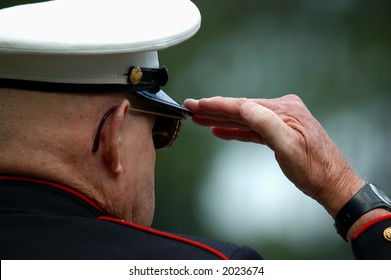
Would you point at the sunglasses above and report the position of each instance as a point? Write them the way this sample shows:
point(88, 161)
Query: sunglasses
point(164, 133)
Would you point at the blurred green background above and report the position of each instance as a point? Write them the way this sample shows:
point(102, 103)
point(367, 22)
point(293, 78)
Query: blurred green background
point(336, 56)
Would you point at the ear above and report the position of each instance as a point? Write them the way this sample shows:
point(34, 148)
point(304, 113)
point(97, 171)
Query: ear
point(112, 151)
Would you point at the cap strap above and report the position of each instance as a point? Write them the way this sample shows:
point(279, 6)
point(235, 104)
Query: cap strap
point(66, 87)
point(148, 76)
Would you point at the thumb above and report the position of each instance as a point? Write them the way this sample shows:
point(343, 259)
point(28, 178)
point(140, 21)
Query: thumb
point(266, 123)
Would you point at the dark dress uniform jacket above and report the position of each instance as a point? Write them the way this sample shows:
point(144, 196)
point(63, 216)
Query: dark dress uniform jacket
point(44, 220)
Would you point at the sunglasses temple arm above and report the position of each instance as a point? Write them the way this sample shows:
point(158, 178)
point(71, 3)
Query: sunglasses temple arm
point(95, 146)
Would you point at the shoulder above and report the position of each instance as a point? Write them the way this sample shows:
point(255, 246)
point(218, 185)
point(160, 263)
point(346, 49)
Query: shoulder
point(54, 237)
point(156, 244)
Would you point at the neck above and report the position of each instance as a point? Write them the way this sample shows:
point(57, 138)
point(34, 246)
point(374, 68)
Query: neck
point(38, 164)
point(22, 160)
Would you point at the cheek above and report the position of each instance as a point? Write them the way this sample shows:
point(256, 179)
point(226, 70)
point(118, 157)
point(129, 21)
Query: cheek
point(140, 148)
point(140, 184)
point(139, 143)
point(144, 204)
point(143, 133)
point(143, 160)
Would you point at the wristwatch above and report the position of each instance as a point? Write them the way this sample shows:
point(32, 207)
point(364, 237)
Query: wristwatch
point(366, 199)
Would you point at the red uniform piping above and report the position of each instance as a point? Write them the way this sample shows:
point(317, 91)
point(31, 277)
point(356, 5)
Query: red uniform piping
point(167, 235)
point(368, 225)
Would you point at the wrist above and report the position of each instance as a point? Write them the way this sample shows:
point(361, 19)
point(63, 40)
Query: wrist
point(341, 192)
point(367, 204)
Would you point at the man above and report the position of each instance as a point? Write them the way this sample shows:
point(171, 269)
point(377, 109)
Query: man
point(82, 112)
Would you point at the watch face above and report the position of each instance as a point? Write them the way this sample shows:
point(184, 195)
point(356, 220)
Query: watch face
point(380, 194)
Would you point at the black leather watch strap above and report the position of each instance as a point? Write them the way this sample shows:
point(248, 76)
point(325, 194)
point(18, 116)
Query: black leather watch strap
point(365, 200)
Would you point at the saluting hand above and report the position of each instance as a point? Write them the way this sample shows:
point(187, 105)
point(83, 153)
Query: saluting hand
point(304, 151)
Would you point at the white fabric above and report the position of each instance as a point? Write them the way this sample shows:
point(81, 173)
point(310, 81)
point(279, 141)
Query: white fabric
point(90, 41)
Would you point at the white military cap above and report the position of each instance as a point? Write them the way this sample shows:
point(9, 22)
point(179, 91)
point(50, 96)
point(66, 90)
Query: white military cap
point(94, 45)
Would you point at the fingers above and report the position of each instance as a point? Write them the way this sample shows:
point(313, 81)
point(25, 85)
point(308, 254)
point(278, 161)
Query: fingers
point(239, 119)
point(216, 108)
point(222, 122)
point(217, 111)
point(266, 123)
point(243, 135)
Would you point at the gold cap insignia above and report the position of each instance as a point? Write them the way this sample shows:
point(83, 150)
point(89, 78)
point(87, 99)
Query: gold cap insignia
point(135, 75)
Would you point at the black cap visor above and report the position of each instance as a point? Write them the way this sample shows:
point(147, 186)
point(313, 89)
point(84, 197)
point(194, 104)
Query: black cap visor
point(163, 103)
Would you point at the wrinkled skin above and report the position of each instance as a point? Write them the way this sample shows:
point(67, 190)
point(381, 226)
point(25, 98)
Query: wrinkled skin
point(304, 151)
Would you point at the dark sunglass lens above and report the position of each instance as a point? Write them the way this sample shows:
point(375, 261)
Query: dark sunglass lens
point(165, 131)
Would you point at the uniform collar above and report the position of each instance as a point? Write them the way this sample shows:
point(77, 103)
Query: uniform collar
point(35, 196)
